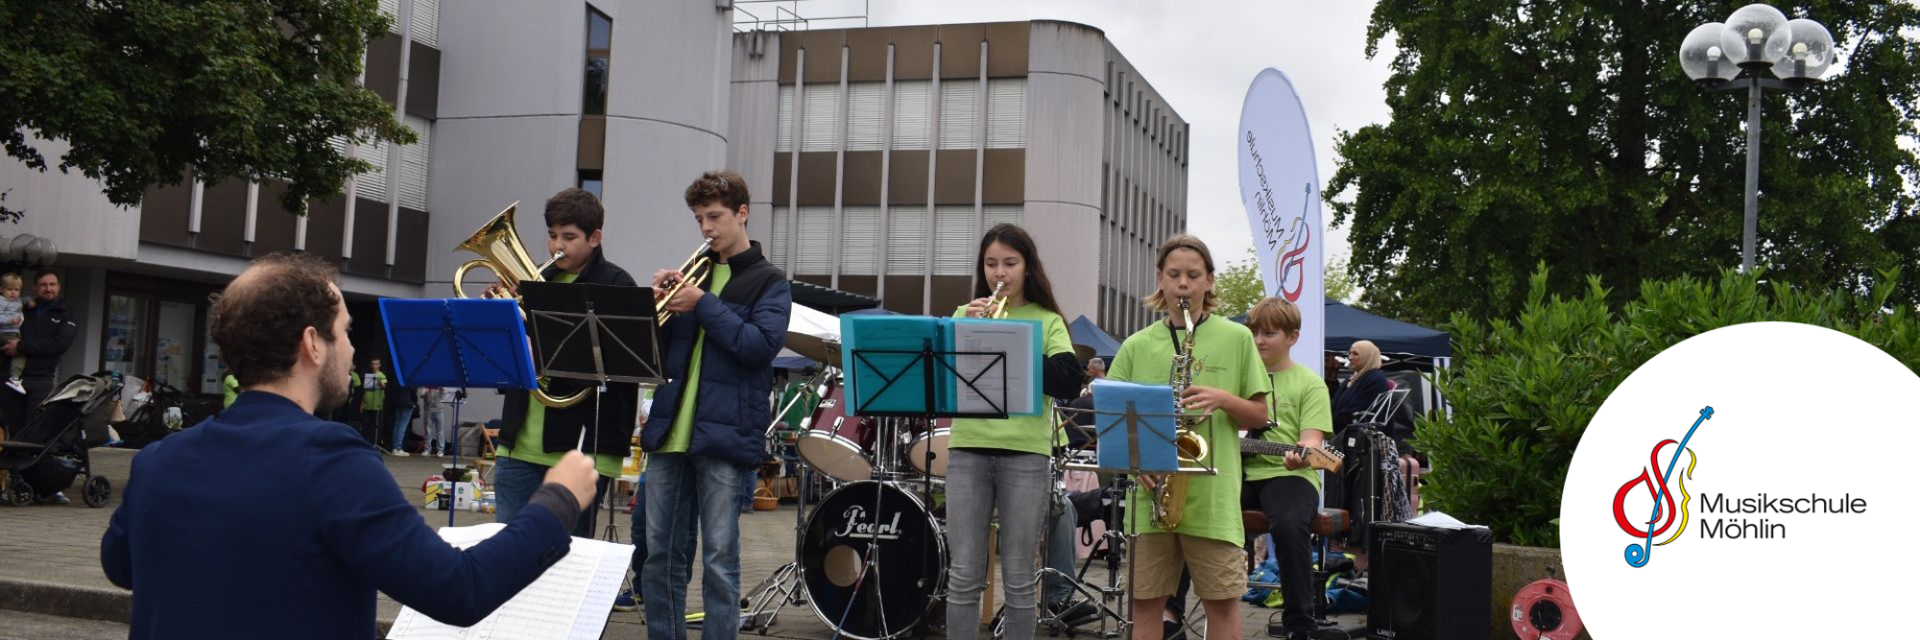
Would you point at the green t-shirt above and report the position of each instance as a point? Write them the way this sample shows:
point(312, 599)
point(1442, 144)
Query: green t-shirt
point(375, 398)
point(1227, 360)
point(1298, 401)
point(1027, 434)
point(528, 446)
point(232, 387)
point(800, 410)
point(682, 434)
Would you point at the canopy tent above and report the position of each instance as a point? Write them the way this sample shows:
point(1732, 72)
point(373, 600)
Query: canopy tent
point(1346, 325)
point(1097, 343)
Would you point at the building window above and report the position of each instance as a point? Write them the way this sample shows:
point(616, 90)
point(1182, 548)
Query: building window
point(590, 181)
point(159, 332)
point(599, 45)
point(126, 334)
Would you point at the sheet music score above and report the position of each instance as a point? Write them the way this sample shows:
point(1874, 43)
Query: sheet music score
point(568, 602)
point(1014, 338)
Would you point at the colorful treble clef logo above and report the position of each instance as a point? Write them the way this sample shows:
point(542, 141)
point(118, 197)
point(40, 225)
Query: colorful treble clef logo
point(1290, 266)
point(1664, 511)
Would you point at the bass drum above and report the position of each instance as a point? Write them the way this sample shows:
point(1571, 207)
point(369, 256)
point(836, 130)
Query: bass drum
point(836, 444)
point(874, 560)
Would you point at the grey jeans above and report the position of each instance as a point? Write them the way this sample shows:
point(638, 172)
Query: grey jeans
point(1016, 485)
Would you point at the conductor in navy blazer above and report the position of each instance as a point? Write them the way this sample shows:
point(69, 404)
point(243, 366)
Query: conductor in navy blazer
point(267, 522)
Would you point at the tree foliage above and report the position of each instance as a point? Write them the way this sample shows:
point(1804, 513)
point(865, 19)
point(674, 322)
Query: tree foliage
point(1523, 391)
point(1238, 287)
point(1526, 131)
point(145, 89)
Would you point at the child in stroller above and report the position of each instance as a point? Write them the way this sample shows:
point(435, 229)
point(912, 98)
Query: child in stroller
point(44, 457)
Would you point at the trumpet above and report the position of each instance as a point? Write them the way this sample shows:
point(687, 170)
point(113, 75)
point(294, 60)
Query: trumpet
point(1170, 497)
point(502, 253)
point(997, 305)
point(696, 269)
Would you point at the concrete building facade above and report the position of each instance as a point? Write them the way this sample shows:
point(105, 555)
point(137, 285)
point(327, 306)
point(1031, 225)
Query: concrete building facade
point(876, 157)
point(894, 148)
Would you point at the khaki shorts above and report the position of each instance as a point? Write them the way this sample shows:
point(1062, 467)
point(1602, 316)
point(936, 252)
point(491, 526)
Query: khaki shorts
point(1219, 569)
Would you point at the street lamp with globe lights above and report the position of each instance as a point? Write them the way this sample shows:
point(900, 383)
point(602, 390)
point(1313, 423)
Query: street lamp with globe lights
point(1730, 56)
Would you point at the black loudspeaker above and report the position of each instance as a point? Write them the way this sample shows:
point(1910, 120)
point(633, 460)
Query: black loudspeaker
point(1430, 584)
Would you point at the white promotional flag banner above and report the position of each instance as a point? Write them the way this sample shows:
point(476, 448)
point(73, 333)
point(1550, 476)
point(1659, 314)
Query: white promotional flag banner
point(1281, 191)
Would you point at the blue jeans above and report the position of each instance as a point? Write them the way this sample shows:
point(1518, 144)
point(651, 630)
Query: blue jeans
point(978, 485)
point(514, 481)
point(436, 434)
point(402, 416)
point(1060, 551)
point(749, 480)
point(685, 494)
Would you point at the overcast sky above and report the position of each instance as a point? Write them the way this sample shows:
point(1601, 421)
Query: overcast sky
point(1202, 56)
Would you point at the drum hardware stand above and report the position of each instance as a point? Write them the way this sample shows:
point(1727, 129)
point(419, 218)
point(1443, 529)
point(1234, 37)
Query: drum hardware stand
point(784, 586)
point(1098, 597)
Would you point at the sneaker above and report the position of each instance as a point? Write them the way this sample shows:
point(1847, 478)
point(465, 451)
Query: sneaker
point(14, 384)
point(627, 600)
point(57, 498)
point(400, 453)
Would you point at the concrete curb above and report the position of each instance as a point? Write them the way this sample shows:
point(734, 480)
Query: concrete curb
point(67, 601)
point(86, 603)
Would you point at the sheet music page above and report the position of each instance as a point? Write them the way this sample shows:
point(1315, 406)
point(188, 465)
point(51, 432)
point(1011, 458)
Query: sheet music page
point(1012, 337)
point(570, 601)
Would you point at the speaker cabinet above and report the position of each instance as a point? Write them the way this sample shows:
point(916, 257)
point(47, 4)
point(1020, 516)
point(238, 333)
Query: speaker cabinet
point(1430, 584)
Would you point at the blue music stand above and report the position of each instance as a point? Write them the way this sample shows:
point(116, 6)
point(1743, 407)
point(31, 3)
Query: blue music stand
point(458, 343)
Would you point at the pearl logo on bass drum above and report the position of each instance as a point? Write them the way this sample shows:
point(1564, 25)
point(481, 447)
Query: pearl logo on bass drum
point(856, 526)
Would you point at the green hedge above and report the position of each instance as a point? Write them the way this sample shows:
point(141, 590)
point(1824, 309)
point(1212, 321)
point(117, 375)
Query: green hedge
point(1523, 391)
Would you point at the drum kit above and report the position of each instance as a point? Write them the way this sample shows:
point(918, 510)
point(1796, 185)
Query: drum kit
point(870, 559)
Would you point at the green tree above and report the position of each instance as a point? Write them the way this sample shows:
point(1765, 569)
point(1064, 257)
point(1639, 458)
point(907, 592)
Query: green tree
point(1339, 279)
point(1239, 286)
point(143, 90)
point(1565, 132)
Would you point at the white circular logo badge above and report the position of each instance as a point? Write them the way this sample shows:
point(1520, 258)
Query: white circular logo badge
point(1755, 481)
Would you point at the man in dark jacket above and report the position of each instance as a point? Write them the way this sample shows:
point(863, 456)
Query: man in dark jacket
point(267, 522)
point(45, 337)
point(706, 423)
point(533, 435)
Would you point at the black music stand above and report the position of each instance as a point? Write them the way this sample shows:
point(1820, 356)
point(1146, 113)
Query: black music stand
point(458, 343)
point(598, 333)
point(1131, 422)
point(892, 367)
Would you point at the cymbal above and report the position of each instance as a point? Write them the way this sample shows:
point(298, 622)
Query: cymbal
point(822, 349)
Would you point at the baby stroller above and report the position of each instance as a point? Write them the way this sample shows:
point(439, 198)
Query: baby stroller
point(44, 457)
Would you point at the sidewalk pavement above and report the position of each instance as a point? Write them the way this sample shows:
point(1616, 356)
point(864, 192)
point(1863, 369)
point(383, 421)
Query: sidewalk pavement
point(50, 558)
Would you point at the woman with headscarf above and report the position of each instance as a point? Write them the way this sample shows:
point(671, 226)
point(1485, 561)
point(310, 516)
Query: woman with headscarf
point(1367, 384)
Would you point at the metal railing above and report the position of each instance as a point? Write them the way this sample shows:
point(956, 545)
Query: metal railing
point(784, 15)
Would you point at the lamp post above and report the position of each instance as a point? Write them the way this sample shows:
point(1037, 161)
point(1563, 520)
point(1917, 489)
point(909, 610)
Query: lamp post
point(27, 251)
point(1729, 56)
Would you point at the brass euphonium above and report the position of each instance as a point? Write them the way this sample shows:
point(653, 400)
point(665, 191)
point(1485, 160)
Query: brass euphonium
point(1170, 499)
point(502, 253)
point(695, 270)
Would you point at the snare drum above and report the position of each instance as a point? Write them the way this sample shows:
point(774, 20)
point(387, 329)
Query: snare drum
point(836, 444)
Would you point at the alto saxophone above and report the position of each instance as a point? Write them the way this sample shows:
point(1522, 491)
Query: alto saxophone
point(1170, 497)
